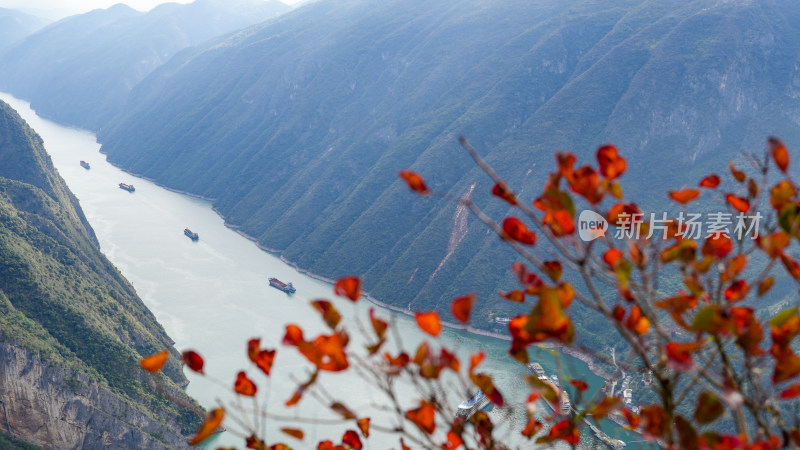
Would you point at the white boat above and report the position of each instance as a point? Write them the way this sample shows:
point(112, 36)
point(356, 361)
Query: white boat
point(474, 404)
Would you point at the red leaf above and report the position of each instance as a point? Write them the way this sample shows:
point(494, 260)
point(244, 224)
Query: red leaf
point(255, 442)
point(351, 438)
point(684, 196)
point(740, 204)
point(580, 385)
point(513, 228)
point(294, 432)
point(253, 346)
point(209, 426)
point(611, 164)
point(462, 306)
point(264, 360)
point(244, 386)
point(633, 419)
point(429, 322)
point(414, 182)
point(779, 153)
point(710, 181)
point(363, 425)
point(553, 269)
point(565, 431)
point(349, 287)
point(155, 362)
point(501, 190)
point(193, 360)
point(423, 417)
point(791, 392)
point(679, 355)
point(453, 441)
point(709, 408)
point(737, 291)
point(655, 425)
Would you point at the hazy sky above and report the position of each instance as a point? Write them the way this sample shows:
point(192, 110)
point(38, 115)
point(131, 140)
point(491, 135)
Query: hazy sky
point(56, 9)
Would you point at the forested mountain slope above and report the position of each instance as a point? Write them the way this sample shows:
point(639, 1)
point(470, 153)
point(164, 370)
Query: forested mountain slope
point(72, 329)
point(80, 70)
point(297, 127)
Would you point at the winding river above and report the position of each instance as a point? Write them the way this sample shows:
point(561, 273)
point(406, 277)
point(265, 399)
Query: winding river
point(212, 296)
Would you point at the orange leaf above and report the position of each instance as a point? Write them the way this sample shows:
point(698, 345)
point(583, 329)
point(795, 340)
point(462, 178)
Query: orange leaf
point(564, 430)
point(294, 432)
point(633, 419)
point(501, 190)
point(779, 153)
point(782, 194)
point(462, 306)
point(637, 322)
point(363, 425)
point(253, 346)
point(738, 175)
point(209, 426)
point(193, 360)
point(264, 360)
point(349, 287)
point(423, 417)
point(684, 196)
point(531, 428)
point(453, 441)
point(244, 386)
point(605, 407)
point(515, 296)
point(717, 246)
point(791, 392)
point(585, 182)
point(351, 438)
point(513, 228)
point(611, 164)
point(740, 204)
point(329, 313)
point(710, 181)
point(429, 322)
point(155, 362)
point(765, 286)
point(612, 256)
point(378, 325)
point(414, 182)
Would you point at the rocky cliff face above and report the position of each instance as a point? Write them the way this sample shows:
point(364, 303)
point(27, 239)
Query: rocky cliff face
point(58, 408)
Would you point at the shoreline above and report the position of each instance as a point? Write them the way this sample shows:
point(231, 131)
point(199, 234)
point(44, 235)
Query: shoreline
point(592, 363)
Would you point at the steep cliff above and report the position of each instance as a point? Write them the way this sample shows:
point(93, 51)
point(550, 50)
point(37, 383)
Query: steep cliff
point(72, 328)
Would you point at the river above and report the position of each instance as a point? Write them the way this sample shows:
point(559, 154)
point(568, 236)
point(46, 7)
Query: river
point(212, 296)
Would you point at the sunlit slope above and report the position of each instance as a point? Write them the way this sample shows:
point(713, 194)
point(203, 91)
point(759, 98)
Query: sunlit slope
point(80, 70)
point(298, 127)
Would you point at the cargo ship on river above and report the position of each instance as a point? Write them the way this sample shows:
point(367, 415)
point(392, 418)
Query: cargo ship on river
point(85, 165)
point(191, 235)
point(127, 187)
point(280, 285)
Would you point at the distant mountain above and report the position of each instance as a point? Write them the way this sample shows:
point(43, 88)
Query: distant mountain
point(79, 70)
point(298, 127)
point(72, 329)
point(16, 25)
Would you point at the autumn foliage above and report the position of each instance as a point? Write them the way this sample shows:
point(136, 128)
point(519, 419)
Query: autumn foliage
point(724, 374)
